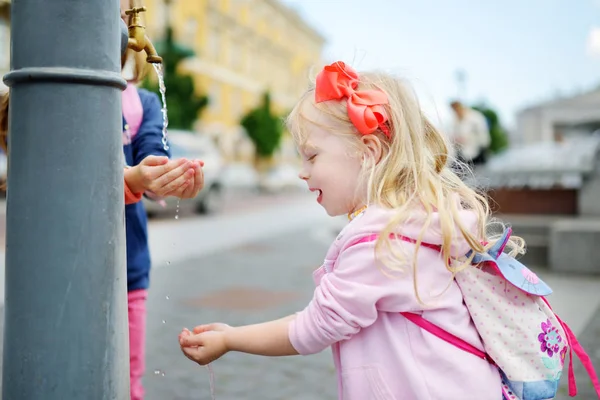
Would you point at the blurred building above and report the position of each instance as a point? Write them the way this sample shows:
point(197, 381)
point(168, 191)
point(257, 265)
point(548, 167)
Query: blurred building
point(242, 49)
point(559, 119)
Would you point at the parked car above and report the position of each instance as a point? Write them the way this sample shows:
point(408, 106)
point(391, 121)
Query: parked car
point(194, 146)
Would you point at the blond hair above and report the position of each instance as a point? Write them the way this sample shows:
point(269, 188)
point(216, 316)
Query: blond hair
point(413, 173)
point(137, 62)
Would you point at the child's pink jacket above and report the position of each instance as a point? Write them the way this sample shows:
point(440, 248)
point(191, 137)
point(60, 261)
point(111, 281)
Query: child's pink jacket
point(378, 354)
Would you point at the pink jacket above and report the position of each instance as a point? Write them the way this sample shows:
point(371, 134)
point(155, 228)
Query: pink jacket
point(378, 354)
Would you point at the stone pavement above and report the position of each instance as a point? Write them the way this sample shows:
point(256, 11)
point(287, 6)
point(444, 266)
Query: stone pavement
point(252, 283)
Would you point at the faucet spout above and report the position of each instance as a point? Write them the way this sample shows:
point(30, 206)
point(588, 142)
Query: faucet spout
point(151, 55)
point(138, 39)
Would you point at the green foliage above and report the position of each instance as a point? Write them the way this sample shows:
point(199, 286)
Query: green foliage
point(184, 105)
point(264, 128)
point(499, 137)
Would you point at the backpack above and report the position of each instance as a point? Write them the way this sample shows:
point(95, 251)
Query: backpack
point(521, 334)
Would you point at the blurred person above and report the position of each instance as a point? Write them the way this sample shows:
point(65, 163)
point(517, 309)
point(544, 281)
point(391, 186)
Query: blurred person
point(470, 134)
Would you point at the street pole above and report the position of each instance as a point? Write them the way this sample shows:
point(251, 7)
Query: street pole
point(65, 332)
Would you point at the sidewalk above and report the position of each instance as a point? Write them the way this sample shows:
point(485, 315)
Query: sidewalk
point(174, 240)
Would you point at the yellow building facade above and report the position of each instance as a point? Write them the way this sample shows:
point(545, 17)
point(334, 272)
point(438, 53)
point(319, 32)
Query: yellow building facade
point(243, 48)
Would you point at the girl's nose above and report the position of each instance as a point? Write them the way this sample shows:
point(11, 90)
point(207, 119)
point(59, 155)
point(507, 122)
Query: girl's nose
point(303, 174)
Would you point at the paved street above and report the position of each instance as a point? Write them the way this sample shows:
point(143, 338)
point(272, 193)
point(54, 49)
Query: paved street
point(253, 264)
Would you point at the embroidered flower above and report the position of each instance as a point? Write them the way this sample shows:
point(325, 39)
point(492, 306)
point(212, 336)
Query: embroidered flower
point(549, 339)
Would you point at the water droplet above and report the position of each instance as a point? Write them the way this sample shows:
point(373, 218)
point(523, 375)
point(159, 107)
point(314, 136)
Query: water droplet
point(167, 297)
point(164, 322)
point(177, 217)
point(163, 374)
point(156, 371)
point(168, 262)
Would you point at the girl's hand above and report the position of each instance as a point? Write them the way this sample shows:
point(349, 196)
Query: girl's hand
point(206, 344)
point(160, 175)
point(197, 183)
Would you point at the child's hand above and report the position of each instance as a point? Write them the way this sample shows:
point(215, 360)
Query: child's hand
point(197, 183)
point(160, 175)
point(206, 344)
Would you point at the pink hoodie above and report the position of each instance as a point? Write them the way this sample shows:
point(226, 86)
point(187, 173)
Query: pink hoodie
point(378, 354)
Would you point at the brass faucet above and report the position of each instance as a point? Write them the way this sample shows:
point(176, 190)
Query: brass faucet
point(138, 40)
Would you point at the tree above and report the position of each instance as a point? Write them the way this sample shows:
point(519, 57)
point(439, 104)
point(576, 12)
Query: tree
point(183, 103)
point(498, 134)
point(264, 128)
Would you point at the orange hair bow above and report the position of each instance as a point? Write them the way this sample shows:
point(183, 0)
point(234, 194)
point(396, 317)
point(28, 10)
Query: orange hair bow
point(365, 107)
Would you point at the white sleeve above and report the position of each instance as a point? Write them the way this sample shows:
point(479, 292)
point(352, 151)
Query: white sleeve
point(481, 128)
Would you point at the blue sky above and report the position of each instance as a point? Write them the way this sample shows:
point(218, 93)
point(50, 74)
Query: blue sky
point(515, 52)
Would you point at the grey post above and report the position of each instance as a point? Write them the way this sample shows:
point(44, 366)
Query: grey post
point(66, 306)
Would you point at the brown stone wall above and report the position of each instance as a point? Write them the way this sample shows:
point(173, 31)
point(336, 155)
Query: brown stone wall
point(534, 201)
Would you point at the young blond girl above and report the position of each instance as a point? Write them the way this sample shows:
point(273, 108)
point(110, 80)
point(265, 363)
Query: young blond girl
point(368, 151)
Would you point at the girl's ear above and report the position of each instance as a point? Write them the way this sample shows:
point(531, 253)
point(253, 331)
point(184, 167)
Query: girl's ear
point(373, 146)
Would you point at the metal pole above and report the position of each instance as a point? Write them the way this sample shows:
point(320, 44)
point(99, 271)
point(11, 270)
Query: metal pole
point(66, 314)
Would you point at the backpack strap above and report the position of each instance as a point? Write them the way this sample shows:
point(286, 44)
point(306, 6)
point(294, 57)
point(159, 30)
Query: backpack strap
point(374, 237)
point(446, 336)
point(418, 319)
point(574, 345)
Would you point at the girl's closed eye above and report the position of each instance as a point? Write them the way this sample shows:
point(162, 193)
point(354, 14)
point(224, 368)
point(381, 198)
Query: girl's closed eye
point(311, 157)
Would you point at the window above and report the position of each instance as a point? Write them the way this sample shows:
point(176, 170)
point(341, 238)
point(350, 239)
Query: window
point(226, 50)
point(215, 97)
point(160, 15)
point(214, 43)
point(235, 56)
point(190, 31)
point(237, 104)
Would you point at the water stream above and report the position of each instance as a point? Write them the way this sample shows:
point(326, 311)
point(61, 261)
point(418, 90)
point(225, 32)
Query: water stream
point(163, 90)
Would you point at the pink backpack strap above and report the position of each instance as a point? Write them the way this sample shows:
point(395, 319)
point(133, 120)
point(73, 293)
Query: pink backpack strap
point(133, 111)
point(574, 345)
point(446, 336)
point(374, 237)
point(418, 319)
